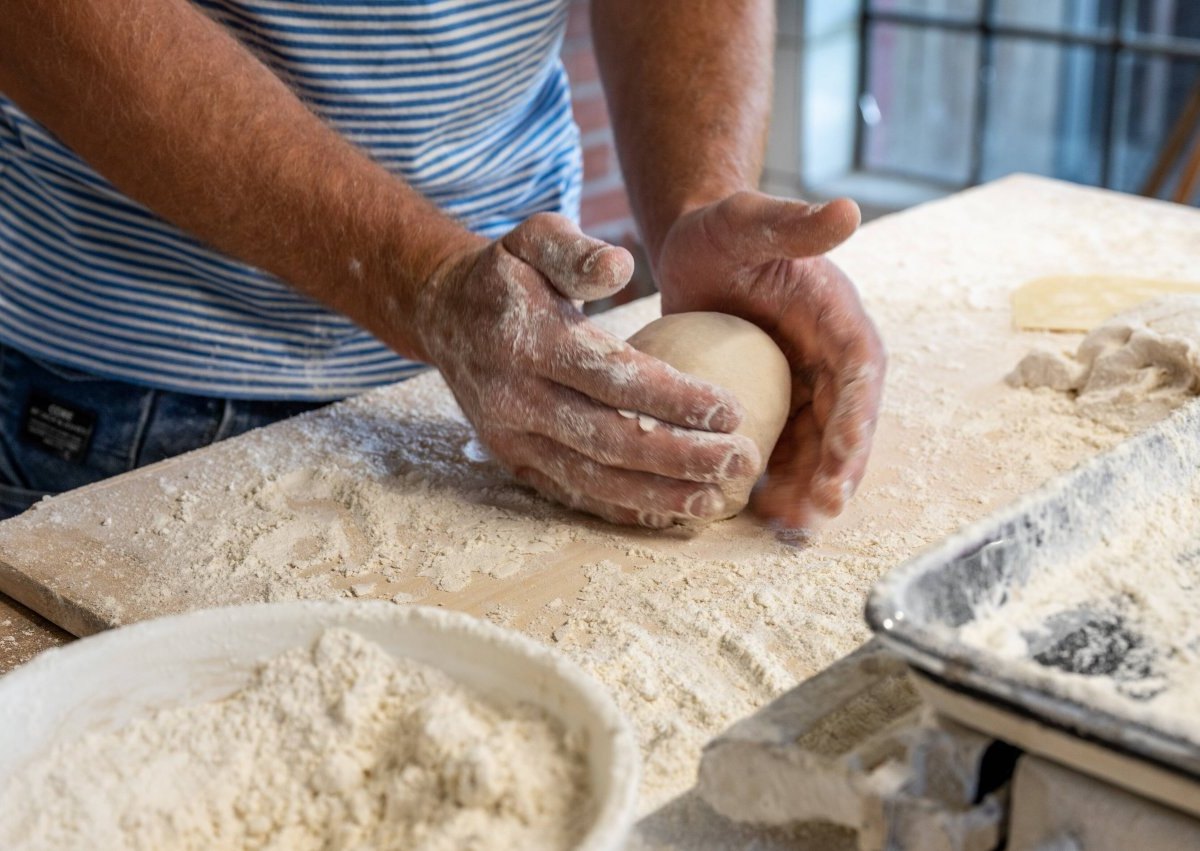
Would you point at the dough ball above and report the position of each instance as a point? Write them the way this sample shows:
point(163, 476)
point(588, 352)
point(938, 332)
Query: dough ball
point(738, 356)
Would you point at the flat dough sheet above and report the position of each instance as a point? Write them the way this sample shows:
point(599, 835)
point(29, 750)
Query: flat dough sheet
point(1081, 302)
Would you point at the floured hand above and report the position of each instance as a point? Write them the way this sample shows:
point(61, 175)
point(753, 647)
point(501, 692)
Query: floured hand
point(760, 258)
point(544, 387)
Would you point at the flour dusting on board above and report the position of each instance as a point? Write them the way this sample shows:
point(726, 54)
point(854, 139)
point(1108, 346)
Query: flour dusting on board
point(388, 494)
point(689, 632)
point(340, 745)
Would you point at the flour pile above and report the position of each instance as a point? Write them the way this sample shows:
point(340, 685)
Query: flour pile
point(1115, 625)
point(1133, 370)
point(337, 746)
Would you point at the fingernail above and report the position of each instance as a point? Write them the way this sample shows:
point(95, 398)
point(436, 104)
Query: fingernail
point(736, 465)
point(866, 434)
point(702, 505)
point(835, 492)
point(589, 262)
point(721, 417)
point(859, 442)
point(840, 447)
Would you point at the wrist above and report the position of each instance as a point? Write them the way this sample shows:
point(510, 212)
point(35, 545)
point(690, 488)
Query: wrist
point(446, 263)
point(387, 272)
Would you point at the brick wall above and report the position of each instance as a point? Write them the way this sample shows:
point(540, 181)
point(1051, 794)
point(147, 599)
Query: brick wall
point(605, 210)
point(605, 207)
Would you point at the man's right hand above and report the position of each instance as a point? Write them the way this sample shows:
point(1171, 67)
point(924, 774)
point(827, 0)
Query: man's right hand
point(546, 388)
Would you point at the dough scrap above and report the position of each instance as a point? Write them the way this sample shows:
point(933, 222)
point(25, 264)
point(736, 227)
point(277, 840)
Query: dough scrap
point(738, 356)
point(1132, 370)
point(1082, 302)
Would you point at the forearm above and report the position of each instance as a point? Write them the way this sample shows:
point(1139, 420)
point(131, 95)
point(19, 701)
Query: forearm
point(177, 114)
point(688, 83)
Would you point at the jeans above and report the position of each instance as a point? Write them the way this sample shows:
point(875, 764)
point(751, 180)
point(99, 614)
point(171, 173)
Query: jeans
point(127, 426)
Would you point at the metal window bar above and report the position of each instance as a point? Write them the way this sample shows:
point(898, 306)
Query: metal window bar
point(1123, 39)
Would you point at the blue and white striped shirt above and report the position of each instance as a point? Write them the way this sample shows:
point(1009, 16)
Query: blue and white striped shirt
point(465, 99)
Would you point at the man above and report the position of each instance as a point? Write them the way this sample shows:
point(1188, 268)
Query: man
point(410, 170)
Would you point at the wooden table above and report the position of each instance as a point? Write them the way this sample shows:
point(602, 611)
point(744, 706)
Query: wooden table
point(728, 608)
point(24, 634)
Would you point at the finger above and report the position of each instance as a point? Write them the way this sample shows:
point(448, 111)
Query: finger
point(785, 496)
point(633, 441)
point(831, 493)
point(617, 375)
point(834, 456)
point(577, 266)
point(767, 228)
point(612, 513)
point(849, 428)
point(583, 478)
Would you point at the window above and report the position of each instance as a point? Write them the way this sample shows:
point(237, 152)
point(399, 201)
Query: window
point(954, 92)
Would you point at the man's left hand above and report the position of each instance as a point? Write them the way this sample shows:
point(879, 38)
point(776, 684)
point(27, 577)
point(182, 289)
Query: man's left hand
point(761, 258)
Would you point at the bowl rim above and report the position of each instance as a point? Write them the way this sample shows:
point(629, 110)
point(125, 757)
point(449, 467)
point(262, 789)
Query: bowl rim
point(612, 818)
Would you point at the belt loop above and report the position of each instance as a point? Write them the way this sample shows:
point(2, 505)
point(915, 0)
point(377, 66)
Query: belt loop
point(143, 429)
point(228, 411)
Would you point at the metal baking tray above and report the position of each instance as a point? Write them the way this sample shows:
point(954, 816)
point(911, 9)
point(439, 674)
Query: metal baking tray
point(918, 608)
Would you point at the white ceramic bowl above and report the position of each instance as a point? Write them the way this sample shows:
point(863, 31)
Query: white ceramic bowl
point(104, 681)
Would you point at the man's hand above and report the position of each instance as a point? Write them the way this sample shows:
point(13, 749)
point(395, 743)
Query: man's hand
point(689, 90)
point(760, 258)
point(544, 387)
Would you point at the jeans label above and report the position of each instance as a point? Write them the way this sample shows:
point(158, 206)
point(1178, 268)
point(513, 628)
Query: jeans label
point(57, 427)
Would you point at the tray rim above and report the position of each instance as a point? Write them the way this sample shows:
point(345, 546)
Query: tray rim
point(1147, 778)
point(994, 678)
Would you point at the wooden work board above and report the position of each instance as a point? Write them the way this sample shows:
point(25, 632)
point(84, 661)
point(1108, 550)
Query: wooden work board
point(388, 496)
point(90, 559)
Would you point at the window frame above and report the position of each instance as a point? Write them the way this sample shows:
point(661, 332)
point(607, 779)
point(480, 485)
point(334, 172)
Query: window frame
point(1122, 40)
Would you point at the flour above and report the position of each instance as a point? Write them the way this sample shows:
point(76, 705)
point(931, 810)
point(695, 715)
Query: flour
point(1132, 370)
point(1116, 627)
point(688, 632)
point(1119, 627)
point(337, 746)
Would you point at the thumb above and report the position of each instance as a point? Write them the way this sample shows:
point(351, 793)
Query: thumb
point(576, 265)
point(772, 228)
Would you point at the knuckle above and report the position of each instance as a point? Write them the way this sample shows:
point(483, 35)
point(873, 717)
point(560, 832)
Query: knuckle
point(653, 520)
point(577, 427)
point(541, 222)
point(492, 256)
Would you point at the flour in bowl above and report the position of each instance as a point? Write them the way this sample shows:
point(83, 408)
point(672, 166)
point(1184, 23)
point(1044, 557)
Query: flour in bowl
point(335, 746)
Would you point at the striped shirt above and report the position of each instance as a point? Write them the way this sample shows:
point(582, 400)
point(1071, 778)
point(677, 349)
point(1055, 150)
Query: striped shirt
point(467, 100)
